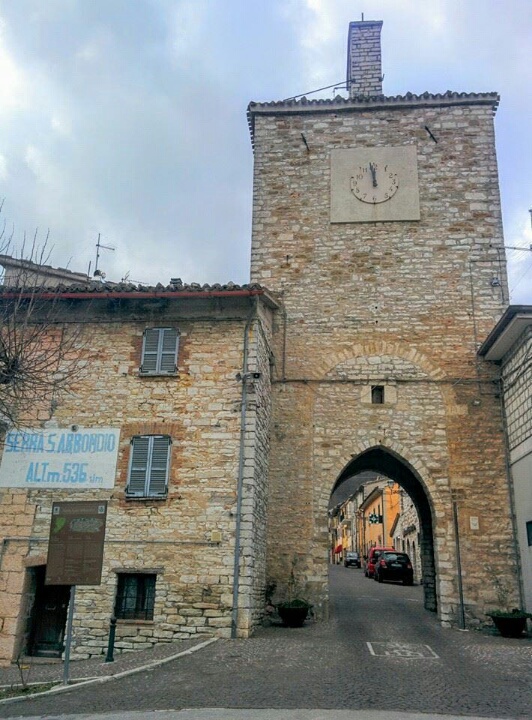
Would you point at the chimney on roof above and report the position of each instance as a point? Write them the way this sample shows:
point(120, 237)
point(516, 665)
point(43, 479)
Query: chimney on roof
point(364, 70)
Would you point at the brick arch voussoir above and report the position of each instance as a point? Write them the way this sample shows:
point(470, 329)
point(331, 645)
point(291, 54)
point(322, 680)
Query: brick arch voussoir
point(376, 440)
point(382, 347)
point(378, 347)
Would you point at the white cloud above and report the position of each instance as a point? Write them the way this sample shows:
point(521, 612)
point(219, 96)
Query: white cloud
point(95, 48)
point(130, 117)
point(520, 262)
point(89, 52)
point(321, 27)
point(12, 79)
point(188, 28)
point(41, 167)
point(61, 124)
point(3, 167)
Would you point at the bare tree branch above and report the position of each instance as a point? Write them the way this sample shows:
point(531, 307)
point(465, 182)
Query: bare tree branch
point(39, 354)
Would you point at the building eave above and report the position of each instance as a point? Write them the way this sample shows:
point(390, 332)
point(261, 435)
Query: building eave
point(365, 104)
point(374, 494)
point(22, 266)
point(505, 333)
point(144, 294)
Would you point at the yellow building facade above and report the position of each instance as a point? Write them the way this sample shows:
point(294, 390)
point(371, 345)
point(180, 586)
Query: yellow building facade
point(377, 517)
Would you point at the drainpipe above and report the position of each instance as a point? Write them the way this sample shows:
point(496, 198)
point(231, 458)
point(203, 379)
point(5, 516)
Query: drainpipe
point(285, 323)
point(511, 493)
point(240, 480)
point(461, 617)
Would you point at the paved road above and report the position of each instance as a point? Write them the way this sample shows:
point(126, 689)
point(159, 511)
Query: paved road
point(380, 652)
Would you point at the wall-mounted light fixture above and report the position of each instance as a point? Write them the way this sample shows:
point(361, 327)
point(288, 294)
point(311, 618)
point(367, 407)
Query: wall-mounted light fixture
point(248, 376)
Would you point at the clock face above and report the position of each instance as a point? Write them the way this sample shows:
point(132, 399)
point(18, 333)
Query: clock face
point(374, 182)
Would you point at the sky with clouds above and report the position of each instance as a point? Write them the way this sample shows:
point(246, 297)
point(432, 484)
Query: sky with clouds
point(127, 118)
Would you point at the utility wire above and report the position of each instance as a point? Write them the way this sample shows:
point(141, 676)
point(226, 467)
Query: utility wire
point(340, 84)
point(527, 266)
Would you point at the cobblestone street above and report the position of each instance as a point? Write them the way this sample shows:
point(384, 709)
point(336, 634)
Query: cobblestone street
point(380, 651)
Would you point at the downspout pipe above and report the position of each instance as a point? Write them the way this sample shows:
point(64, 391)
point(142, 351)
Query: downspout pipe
point(240, 479)
point(511, 492)
point(461, 616)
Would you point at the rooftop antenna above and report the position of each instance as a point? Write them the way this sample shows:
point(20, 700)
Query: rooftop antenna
point(97, 272)
point(127, 279)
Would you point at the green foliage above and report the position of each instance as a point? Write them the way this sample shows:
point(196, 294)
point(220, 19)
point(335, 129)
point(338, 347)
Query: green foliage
point(294, 603)
point(515, 613)
point(20, 690)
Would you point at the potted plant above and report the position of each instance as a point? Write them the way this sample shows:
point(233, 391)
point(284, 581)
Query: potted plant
point(294, 610)
point(510, 623)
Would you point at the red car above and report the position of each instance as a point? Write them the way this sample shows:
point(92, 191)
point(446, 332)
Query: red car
point(373, 556)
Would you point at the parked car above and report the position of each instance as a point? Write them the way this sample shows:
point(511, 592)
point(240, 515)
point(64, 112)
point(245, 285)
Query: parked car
point(352, 558)
point(394, 566)
point(372, 558)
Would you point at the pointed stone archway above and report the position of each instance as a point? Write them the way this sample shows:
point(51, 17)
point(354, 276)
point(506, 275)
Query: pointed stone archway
point(384, 461)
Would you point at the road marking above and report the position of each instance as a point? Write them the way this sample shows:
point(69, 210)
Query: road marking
point(403, 650)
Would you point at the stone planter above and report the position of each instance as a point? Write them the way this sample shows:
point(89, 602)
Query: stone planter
point(293, 614)
point(510, 625)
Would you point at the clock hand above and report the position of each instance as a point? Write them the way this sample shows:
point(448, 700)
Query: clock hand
point(373, 171)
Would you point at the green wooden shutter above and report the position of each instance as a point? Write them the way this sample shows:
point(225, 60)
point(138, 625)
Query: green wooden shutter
point(159, 351)
point(149, 466)
point(159, 466)
point(138, 466)
point(168, 350)
point(150, 350)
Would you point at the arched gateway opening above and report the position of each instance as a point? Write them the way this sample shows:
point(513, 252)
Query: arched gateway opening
point(383, 461)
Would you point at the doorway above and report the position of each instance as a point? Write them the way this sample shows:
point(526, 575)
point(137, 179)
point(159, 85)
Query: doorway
point(383, 461)
point(48, 616)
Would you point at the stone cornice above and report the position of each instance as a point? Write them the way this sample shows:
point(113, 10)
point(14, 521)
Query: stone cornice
point(365, 104)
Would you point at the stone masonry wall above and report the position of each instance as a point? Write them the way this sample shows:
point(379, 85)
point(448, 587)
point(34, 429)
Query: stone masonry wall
point(364, 65)
point(403, 304)
point(408, 532)
point(187, 539)
point(16, 521)
point(255, 475)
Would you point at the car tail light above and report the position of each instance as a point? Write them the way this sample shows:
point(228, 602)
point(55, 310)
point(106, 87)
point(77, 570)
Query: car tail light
point(382, 563)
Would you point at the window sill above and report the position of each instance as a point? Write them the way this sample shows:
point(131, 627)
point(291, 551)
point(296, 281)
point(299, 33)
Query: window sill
point(158, 374)
point(129, 621)
point(146, 498)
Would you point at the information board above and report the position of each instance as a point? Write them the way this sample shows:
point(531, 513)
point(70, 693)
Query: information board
point(75, 549)
point(84, 459)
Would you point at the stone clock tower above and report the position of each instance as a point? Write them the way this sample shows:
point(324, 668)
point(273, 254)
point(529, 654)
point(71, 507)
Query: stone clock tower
point(377, 221)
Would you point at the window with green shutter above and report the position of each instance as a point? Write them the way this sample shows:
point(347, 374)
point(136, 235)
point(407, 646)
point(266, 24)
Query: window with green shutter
point(149, 466)
point(159, 351)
